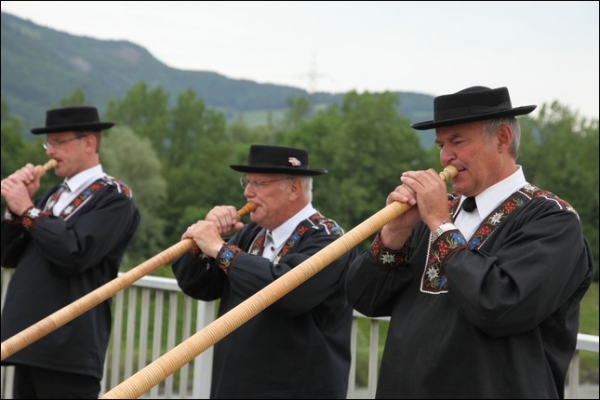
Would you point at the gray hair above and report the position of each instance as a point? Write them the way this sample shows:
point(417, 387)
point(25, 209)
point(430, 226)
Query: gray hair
point(491, 126)
point(307, 185)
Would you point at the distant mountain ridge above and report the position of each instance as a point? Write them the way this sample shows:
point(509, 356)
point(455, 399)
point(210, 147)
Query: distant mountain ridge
point(41, 65)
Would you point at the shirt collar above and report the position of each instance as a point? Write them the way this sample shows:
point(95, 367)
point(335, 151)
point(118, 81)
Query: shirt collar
point(285, 230)
point(491, 197)
point(84, 178)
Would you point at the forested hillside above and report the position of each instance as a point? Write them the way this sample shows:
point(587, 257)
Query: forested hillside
point(42, 65)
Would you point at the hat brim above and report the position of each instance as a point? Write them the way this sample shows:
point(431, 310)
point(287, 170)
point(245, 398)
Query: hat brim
point(278, 170)
point(472, 118)
point(97, 126)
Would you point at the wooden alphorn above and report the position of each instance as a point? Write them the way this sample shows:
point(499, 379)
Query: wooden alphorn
point(59, 318)
point(149, 376)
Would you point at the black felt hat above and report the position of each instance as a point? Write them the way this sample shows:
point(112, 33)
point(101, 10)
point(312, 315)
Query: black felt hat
point(75, 118)
point(278, 160)
point(476, 103)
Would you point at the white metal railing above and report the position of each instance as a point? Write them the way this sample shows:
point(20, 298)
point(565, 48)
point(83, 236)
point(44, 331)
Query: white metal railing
point(152, 316)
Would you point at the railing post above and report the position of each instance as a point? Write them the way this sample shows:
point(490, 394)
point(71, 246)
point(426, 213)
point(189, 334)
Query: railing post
point(203, 363)
point(573, 376)
point(374, 358)
point(353, 342)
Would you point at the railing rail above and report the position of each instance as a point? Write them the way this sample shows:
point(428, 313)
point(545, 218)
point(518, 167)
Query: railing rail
point(152, 316)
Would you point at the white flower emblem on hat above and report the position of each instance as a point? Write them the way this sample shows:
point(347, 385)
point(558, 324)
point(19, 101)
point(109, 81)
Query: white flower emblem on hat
point(294, 162)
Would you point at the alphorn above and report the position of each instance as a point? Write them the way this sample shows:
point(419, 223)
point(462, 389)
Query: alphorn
point(149, 376)
point(59, 318)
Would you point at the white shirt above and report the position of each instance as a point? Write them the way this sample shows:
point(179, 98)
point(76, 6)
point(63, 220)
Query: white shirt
point(77, 184)
point(487, 201)
point(276, 238)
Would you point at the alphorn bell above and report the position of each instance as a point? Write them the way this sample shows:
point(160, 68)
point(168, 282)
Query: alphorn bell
point(149, 376)
point(59, 318)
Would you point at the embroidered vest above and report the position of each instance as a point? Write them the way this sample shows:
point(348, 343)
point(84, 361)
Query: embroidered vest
point(259, 243)
point(433, 279)
point(316, 219)
point(90, 191)
point(229, 251)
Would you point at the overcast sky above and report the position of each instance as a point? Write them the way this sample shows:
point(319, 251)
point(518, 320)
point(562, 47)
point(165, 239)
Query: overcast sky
point(542, 51)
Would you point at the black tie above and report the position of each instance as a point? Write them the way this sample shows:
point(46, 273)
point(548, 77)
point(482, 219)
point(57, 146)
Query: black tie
point(469, 204)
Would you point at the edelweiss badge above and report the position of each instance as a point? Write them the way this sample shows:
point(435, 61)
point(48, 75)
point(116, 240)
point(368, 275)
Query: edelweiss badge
point(294, 161)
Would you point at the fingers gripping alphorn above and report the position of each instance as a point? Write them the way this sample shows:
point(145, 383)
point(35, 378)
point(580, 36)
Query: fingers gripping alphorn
point(59, 318)
point(149, 376)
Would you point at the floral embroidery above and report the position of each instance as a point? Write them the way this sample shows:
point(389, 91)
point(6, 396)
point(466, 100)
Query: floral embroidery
point(432, 273)
point(331, 227)
point(196, 253)
point(34, 214)
point(229, 252)
point(433, 279)
point(495, 218)
point(385, 257)
point(90, 191)
point(31, 217)
point(259, 243)
point(388, 258)
point(292, 240)
point(531, 191)
point(12, 219)
point(226, 256)
point(54, 198)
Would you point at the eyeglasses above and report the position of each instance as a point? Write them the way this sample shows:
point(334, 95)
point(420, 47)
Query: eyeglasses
point(55, 144)
point(258, 184)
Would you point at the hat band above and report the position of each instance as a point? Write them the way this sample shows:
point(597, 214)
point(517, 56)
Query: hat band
point(469, 111)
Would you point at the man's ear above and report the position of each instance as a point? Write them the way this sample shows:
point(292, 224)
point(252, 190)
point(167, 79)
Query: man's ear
point(295, 188)
point(505, 137)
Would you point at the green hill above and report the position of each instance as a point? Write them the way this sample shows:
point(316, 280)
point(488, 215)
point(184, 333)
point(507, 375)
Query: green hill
point(42, 65)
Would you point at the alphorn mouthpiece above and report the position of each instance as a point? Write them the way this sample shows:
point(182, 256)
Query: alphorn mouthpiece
point(248, 208)
point(42, 169)
point(449, 172)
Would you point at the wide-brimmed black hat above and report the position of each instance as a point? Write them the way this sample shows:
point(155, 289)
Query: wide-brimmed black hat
point(74, 118)
point(278, 160)
point(476, 103)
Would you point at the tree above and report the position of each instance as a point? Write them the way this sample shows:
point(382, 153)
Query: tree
point(142, 174)
point(12, 142)
point(16, 151)
point(193, 146)
point(559, 153)
point(76, 98)
point(298, 110)
point(365, 145)
point(145, 111)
